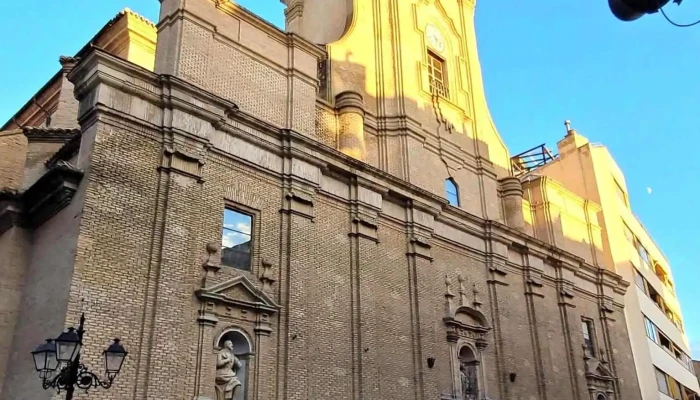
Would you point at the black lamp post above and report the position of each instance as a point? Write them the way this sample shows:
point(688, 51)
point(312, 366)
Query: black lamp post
point(58, 363)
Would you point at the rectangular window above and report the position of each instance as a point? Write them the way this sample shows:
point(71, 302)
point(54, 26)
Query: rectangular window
point(674, 388)
point(661, 382)
point(643, 255)
point(437, 75)
point(665, 342)
point(640, 281)
point(628, 234)
point(588, 339)
point(621, 194)
point(651, 330)
point(236, 239)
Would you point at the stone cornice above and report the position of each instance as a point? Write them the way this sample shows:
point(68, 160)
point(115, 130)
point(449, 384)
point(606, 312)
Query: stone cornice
point(68, 150)
point(52, 192)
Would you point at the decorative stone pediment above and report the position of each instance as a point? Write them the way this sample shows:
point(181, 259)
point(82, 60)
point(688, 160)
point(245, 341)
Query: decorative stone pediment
point(596, 370)
point(238, 292)
point(467, 323)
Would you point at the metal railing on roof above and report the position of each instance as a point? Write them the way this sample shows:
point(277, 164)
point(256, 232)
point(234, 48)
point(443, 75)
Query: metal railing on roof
point(531, 159)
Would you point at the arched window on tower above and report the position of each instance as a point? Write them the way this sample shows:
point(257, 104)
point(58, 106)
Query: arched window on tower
point(452, 192)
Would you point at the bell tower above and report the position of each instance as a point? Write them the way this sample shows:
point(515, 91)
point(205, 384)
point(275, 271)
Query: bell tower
point(414, 62)
point(413, 68)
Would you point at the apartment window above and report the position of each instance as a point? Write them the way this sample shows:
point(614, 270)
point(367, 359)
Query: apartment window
point(671, 387)
point(452, 192)
point(236, 239)
point(628, 234)
point(651, 330)
point(640, 281)
point(661, 382)
point(674, 387)
point(588, 338)
point(621, 194)
point(643, 255)
point(437, 73)
point(665, 342)
point(660, 273)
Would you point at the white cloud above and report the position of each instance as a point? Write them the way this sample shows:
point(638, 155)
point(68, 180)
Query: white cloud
point(648, 190)
point(243, 227)
point(230, 239)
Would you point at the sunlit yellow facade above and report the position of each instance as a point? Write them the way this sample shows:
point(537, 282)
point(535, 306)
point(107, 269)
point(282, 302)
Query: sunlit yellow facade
point(660, 347)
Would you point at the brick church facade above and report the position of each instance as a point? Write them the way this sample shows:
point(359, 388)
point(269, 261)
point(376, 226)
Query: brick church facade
point(333, 199)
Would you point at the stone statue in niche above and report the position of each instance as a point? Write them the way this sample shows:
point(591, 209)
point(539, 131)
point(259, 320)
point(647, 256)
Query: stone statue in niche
point(227, 364)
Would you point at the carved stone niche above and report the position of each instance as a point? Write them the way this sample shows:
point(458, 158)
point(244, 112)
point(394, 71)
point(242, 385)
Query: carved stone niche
point(238, 311)
point(467, 329)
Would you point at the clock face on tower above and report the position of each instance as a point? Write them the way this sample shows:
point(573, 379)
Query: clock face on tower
point(435, 39)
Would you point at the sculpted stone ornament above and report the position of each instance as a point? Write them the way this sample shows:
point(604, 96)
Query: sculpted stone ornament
point(227, 382)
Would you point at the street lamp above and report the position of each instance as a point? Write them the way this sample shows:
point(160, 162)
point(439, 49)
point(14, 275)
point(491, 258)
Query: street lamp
point(58, 362)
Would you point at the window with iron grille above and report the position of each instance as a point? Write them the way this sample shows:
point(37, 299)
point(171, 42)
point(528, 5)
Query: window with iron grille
point(437, 74)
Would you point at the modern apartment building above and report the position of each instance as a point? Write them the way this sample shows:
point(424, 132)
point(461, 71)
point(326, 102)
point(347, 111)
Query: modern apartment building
point(589, 172)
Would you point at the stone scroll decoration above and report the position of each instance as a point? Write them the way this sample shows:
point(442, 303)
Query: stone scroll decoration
point(235, 323)
point(467, 329)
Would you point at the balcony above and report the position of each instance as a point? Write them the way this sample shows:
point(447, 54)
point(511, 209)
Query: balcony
point(660, 319)
point(668, 363)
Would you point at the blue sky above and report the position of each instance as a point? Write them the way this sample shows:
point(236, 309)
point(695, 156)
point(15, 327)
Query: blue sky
point(635, 87)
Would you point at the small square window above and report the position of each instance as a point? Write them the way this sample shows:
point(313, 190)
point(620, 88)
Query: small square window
point(236, 239)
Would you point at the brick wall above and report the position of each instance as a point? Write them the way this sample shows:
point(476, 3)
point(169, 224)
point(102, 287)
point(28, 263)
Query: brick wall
point(13, 147)
point(357, 315)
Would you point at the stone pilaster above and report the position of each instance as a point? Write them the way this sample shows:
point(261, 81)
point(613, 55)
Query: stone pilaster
point(420, 224)
point(365, 206)
point(297, 263)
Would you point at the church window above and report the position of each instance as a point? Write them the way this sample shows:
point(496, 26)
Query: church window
point(588, 336)
point(452, 192)
point(437, 74)
point(236, 239)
